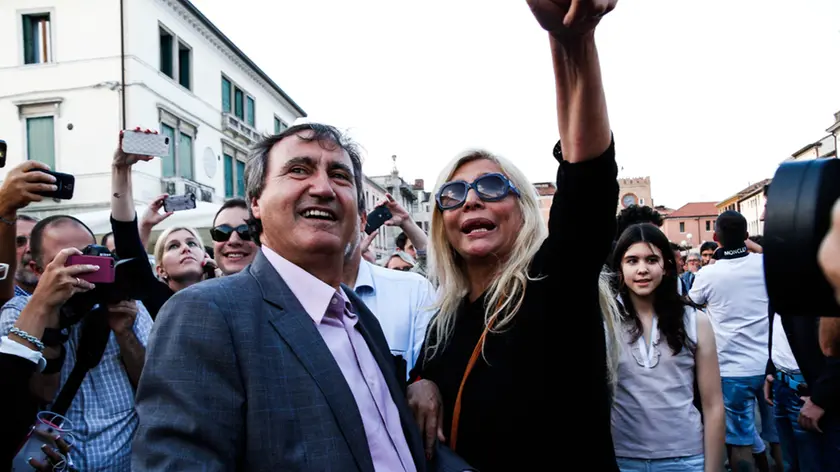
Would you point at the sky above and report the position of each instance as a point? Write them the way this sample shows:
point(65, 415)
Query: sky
point(705, 96)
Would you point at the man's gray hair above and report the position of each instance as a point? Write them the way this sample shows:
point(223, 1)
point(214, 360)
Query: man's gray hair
point(328, 137)
point(693, 254)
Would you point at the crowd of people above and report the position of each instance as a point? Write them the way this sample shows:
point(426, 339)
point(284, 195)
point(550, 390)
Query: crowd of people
point(285, 346)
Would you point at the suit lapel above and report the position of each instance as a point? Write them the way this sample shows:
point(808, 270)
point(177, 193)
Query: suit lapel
point(297, 329)
point(369, 327)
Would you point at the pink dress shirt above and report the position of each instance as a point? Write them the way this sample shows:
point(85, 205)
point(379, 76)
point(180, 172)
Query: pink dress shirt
point(332, 313)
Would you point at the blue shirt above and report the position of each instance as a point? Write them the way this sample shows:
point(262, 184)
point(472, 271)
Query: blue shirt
point(102, 412)
point(403, 302)
point(19, 292)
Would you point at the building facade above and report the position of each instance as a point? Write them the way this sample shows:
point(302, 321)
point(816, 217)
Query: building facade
point(749, 202)
point(65, 97)
point(634, 191)
point(545, 194)
point(692, 224)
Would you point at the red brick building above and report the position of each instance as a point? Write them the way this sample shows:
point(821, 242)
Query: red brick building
point(693, 223)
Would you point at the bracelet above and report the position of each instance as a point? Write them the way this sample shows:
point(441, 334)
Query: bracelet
point(28, 337)
point(9, 222)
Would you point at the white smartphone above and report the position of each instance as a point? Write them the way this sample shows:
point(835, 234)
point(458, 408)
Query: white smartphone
point(145, 144)
point(4, 271)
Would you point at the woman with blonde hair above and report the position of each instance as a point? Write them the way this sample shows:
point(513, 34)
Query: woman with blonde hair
point(181, 260)
point(514, 372)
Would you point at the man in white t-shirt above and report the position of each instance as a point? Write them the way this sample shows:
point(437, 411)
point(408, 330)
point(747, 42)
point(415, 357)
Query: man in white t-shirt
point(735, 296)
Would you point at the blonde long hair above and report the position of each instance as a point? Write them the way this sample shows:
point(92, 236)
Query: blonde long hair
point(160, 244)
point(507, 291)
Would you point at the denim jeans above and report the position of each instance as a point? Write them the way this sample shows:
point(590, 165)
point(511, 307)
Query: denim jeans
point(671, 464)
point(799, 446)
point(739, 395)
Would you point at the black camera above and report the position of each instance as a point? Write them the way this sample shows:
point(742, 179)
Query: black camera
point(120, 289)
point(798, 216)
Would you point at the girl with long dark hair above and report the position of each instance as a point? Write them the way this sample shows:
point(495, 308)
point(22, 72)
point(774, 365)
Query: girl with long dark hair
point(666, 343)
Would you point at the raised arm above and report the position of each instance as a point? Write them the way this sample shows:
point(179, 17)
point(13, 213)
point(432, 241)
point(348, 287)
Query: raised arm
point(587, 191)
point(17, 191)
point(581, 106)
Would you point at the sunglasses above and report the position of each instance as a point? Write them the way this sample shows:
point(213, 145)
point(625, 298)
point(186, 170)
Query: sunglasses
point(222, 233)
point(21, 241)
point(489, 188)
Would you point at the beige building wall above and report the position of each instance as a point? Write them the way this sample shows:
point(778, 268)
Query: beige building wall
point(634, 190)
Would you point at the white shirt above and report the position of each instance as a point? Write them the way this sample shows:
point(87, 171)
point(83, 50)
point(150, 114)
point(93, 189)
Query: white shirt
point(782, 354)
point(10, 346)
point(403, 302)
point(735, 296)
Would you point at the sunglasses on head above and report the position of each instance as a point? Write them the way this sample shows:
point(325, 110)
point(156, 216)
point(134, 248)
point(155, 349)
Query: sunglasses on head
point(222, 233)
point(489, 188)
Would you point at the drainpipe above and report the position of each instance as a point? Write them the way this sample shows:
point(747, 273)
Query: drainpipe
point(122, 62)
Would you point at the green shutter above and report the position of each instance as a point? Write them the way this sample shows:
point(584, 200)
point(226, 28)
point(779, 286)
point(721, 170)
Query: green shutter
point(40, 140)
point(238, 103)
point(225, 95)
point(251, 112)
point(276, 125)
point(228, 176)
point(240, 178)
point(168, 162)
point(185, 157)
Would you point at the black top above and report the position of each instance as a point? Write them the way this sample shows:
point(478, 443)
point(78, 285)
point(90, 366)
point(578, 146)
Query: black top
point(128, 244)
point(543, 400)
point(20, 407)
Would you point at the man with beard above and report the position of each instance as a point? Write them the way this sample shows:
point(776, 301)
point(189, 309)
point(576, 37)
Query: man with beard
point(25, 279)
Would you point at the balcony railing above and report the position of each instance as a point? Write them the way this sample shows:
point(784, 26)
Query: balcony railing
point(239, 128)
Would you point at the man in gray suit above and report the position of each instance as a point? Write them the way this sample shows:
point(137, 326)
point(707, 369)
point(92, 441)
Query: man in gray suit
point(279, 367)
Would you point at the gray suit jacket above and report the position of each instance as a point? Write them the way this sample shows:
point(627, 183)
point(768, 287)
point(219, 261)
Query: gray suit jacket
point(237, 377)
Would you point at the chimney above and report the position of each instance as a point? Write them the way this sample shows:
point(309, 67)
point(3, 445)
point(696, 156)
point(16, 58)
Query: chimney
point(419, 184)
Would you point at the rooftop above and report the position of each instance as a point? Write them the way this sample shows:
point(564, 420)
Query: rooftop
point(694, 209)
point(195, 11)
point(749, 190)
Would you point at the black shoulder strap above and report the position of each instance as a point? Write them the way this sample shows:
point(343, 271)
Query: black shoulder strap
point(92, 344)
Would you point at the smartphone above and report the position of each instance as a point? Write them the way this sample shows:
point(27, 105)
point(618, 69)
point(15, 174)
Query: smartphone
point(2, 153)
point(4, 271)
point(65, 182)
point(377, 218)
point(105, 274)
point(145, 144)
point(179, 202)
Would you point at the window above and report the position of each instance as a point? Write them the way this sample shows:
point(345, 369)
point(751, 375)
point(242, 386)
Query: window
point(184, 64)
point(226, 88)
point(682, 227)
point(169, 54)
point(37, 39)
point(641, 201)
point(166, 59)
point(40, 140)
point(169, 161)
point(234, 163)
point(180, 162)
point(708, 225)
point(243, 105)
point(238, 103)
point(185, 156)
point(228, 176)
point(251, 111)
point(279, 125)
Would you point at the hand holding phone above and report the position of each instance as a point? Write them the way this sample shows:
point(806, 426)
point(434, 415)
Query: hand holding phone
point(65, 184)
point(105, 274)
point(377, 218)
point(179, 202)
point(144, 143)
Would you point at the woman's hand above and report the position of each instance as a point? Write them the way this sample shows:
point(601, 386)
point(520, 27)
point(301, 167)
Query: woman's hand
point(211, 269)
point(123, 160)
point(427, 405)
point(152, 216)
point(561, 17)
